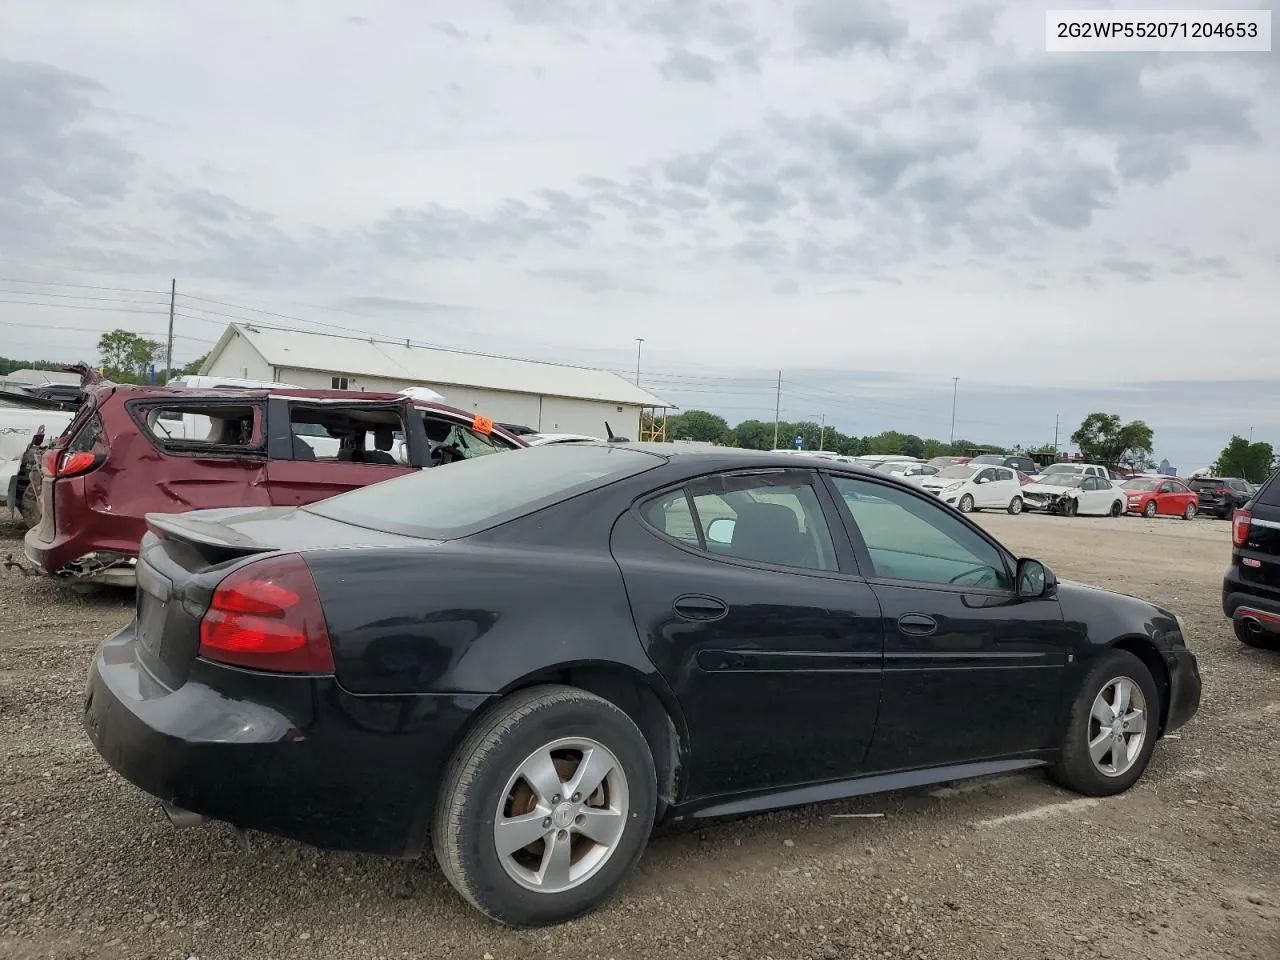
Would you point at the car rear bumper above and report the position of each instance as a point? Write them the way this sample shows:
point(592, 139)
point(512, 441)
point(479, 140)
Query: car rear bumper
point(294, 756)
point(1184, 688)
point(1258, 602)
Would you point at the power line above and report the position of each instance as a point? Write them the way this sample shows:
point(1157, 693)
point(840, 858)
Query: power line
point(77, 306)
point(78, 286)
point(79, 296)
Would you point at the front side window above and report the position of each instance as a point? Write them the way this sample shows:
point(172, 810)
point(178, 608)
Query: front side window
point(775, 519)
point(450, 440)
point(911, 538)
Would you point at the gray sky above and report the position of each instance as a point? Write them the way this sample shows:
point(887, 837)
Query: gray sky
point(872, 197)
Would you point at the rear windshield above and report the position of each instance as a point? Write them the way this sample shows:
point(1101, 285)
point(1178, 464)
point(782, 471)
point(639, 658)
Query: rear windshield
point(1140, 483)
point(961, 471)
point(1062, 468)
point(462, 498)
point(1206, 483)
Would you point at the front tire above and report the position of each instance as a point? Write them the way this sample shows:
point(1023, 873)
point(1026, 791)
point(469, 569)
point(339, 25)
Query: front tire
point(1015, 505)
point(966, 504)
point(1111, 729)
point(514, 834)
point(1149, 510)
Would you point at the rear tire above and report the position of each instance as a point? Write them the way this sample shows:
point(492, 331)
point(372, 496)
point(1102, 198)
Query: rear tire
point(1117, 508)
point(1190, 512)
point(1015, 505)
point(29, 507)
point(550, 730)
point(1087, 764)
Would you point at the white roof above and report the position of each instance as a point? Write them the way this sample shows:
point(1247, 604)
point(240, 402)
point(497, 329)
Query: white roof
point(40, 378)
point(394, 360)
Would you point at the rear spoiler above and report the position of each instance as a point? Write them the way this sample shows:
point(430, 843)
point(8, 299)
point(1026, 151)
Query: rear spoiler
point(88, 375)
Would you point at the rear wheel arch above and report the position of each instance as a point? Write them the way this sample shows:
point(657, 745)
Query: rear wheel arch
point(658, 717)
point(1145, 650)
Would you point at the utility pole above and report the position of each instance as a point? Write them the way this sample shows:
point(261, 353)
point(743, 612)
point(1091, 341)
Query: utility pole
point(639, 341)
point(822, 432)
point(1055, 432)
point(168, 353)
point(777, 410)
point(955, 389)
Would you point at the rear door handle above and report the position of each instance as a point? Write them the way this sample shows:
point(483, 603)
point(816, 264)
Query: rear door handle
point(695, 607)
point(917, 625)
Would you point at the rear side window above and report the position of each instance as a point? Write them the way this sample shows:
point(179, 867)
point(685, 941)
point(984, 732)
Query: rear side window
point(201, 428)
point(341, 433)
point(482, 492)
point(1269, 495)
point(87, 436)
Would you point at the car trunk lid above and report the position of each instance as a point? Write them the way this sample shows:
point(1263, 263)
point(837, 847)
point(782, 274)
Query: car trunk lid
point(183, 557)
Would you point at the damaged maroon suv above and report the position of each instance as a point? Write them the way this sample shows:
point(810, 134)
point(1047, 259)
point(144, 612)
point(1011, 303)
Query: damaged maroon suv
point(131, 451)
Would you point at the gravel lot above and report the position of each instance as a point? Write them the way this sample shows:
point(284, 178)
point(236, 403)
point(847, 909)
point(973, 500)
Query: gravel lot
point(1185, 865)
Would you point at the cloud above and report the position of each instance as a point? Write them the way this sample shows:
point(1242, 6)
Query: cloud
point(693, 67)
point(393, 305)
point(836, 28)
point(973, 24)
point(1138, 271)
point(590, 280)
point(449, 30)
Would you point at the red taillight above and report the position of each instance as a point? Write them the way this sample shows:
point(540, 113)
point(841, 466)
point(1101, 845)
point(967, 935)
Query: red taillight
point(57, 463)
point(1240, 526)
point(266, 615)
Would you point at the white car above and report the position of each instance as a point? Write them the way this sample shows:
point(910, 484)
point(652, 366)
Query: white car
point(914, 473)
point(1079, 470)
point(541, 439)
point(1075, 493)
point(979, 487)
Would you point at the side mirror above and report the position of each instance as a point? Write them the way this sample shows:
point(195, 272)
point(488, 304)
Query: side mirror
point(1035, 580)
point(981, 480)
point(720, 530)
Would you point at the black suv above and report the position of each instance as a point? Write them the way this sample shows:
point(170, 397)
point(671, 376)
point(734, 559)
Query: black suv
point(1251, 589)
point(1220, 495)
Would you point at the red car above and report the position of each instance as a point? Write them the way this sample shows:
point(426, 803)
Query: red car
point(1163, 496)
point(131, 451)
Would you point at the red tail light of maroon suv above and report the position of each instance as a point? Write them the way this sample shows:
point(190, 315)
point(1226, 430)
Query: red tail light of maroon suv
point(131, 451)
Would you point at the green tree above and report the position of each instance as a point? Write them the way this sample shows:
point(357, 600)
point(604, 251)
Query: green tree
point(126, 357)
point(1240, 458)
point(1103, 438)
point(755, 435)
point(192, 368)
point(698, 425)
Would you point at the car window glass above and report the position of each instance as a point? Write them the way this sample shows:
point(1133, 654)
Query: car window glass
point(341, 433)
point(671, 515)
point(1102, 484)
point(1005, 474)
point(911, 538)
point(450, 440)
point(202, 427)
point(768, 519)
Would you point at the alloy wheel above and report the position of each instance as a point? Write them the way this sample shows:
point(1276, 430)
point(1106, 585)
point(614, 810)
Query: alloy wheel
point(1117, 726)
point(561, 815)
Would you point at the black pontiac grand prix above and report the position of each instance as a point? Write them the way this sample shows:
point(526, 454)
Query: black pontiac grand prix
point(526, 660)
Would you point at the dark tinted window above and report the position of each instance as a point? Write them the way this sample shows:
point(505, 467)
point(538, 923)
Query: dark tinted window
point(479, 493)
point(1269, 495)
point(775, 519)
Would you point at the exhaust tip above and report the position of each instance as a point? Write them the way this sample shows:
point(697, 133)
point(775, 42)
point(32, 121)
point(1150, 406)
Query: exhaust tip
point(182, 819)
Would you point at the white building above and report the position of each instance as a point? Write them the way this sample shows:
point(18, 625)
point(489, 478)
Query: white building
point(548, 397)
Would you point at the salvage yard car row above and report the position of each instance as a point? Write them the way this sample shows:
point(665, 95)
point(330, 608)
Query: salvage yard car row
point(526, 667)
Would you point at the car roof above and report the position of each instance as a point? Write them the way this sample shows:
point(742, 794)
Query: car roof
point(712, 457)
point(188, 393)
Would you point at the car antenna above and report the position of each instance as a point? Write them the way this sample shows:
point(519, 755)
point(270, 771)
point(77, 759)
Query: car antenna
point(612, 437)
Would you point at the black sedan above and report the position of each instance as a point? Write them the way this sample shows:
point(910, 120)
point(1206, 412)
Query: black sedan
point(527, 660)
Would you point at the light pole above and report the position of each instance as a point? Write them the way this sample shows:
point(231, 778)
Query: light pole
point(955, 389)
point(822, 430)
point(639, 341)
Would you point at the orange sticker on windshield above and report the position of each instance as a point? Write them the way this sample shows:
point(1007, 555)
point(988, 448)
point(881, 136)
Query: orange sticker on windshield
point(482, 424)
